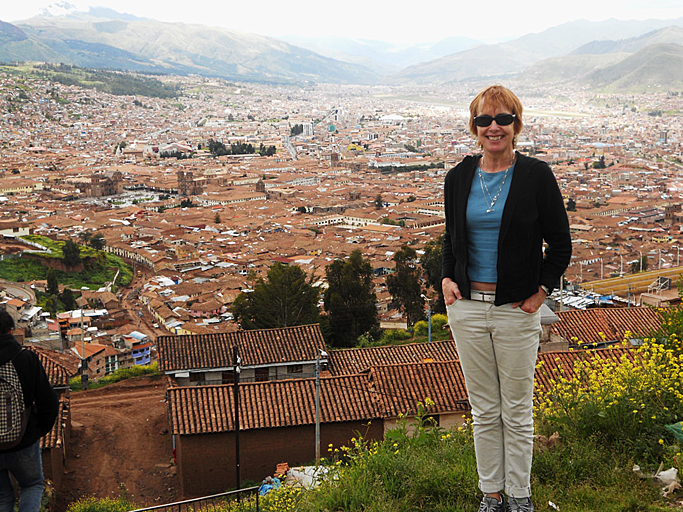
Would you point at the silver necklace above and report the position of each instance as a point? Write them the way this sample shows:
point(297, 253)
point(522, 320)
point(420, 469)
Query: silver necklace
point(485, 189)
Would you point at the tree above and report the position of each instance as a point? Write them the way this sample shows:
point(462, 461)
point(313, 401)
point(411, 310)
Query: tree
point(404, 285)
point(85, 236)
point(284, 299)
point(97, 241)
point(68, 299)
point(350, 300)
point(51, 304)
point(217, 218)
point(186, 203)
point(378, 202)
point(431, 267)
point(600, 164)
point(52, 283)
point(639, 265)
point(71, 253)
point(571, 205)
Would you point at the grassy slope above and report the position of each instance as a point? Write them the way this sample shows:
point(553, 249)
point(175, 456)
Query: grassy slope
point(100, 269)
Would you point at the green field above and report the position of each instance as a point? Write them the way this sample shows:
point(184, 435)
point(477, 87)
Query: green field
point(100, 267)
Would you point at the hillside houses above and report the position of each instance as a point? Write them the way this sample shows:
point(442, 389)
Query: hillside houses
point(368, 389)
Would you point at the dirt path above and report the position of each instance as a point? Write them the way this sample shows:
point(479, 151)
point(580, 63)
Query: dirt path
point(120, 436)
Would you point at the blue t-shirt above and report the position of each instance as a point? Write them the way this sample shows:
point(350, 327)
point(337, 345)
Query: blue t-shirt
point(483, 227)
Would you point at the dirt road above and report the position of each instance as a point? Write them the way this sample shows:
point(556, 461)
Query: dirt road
point(120, 437)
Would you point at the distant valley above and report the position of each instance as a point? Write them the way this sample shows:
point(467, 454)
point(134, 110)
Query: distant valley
point(612, 55)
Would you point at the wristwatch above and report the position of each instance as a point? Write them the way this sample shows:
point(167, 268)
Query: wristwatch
point(545, 289)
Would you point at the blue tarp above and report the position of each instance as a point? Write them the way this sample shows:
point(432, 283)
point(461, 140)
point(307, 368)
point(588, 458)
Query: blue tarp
point(266, 487)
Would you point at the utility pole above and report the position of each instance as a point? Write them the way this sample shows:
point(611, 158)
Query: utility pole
point(429, 316)
point(84, 363)
point(321, 353)
point(237, 362)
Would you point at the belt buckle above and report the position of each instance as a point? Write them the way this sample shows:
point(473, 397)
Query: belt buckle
point(483, 296)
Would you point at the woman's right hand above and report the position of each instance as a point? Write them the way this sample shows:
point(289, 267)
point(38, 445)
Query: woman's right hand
point(451, 292)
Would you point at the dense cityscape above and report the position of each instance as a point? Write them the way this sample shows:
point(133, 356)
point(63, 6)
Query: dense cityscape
point(200, 194)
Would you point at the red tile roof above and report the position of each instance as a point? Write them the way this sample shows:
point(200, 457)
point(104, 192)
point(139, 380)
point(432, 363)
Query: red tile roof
point(207, 409)
point(55, 437)
point(59, 367)
point(613, 323)
point(550, 364)
point(356, 360)
point(401, 386)
point(257, 347)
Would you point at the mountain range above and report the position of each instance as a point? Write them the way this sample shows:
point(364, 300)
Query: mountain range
point(101, 38)
point(637, 64)
point(608, 55)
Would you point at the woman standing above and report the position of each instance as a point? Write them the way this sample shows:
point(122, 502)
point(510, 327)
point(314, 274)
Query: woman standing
point(500, 209)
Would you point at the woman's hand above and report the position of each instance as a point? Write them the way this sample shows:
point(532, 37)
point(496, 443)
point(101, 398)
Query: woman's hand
point(451, 292)
point(533, 303)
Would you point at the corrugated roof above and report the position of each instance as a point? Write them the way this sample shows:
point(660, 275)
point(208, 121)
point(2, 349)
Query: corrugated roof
point(257, 347)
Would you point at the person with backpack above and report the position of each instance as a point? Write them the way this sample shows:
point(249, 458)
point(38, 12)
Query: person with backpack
point(28, 410)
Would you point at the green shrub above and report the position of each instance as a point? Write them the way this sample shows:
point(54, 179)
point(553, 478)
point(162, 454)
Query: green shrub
point(416, 467)
point(622, 404)
point(421, 328)
point(438, 321)
point(394, 335)
point(92, 504)
point(116, 376)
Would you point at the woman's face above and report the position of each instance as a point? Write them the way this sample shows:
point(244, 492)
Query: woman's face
point(495, 139)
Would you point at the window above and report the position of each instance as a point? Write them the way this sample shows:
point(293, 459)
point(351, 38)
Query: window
point(197, 378)
point(228, 377)
point(262, 374)
point(295, 368)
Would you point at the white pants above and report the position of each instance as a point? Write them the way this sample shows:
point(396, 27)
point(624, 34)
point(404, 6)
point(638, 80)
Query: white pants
point(497, 347)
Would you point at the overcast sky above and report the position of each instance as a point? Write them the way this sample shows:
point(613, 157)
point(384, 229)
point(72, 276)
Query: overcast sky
point(416, 21)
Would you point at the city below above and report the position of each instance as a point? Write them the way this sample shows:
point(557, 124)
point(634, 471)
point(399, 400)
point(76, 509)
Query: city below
point(198, 194)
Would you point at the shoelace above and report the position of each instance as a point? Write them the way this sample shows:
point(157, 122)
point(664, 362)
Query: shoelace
point(490, 504)
point(520, 505)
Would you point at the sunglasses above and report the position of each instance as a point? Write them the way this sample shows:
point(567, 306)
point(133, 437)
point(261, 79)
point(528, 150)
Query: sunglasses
point(500, 119)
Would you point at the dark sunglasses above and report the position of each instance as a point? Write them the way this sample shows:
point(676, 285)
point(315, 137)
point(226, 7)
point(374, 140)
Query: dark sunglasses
point(500, 119)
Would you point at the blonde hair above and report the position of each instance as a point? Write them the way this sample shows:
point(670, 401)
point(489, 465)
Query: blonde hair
point(497, 96)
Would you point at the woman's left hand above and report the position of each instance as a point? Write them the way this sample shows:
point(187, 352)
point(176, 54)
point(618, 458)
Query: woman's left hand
point(533, 303)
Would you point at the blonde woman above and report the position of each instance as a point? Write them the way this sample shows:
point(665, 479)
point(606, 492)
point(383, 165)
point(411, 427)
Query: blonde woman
point(501, 207)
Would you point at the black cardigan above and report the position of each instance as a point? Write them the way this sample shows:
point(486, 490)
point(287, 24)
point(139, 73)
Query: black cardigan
point(38, 393)
point(534, 212)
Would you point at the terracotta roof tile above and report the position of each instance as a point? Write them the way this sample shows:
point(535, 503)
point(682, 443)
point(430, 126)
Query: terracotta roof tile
point(59, 367)
point(55, 437)
point(207, 409)
point(613, 323)
point(356, 360)
point(550, 364)
point(401, 386)
point(384, 391)
point(257, 347)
